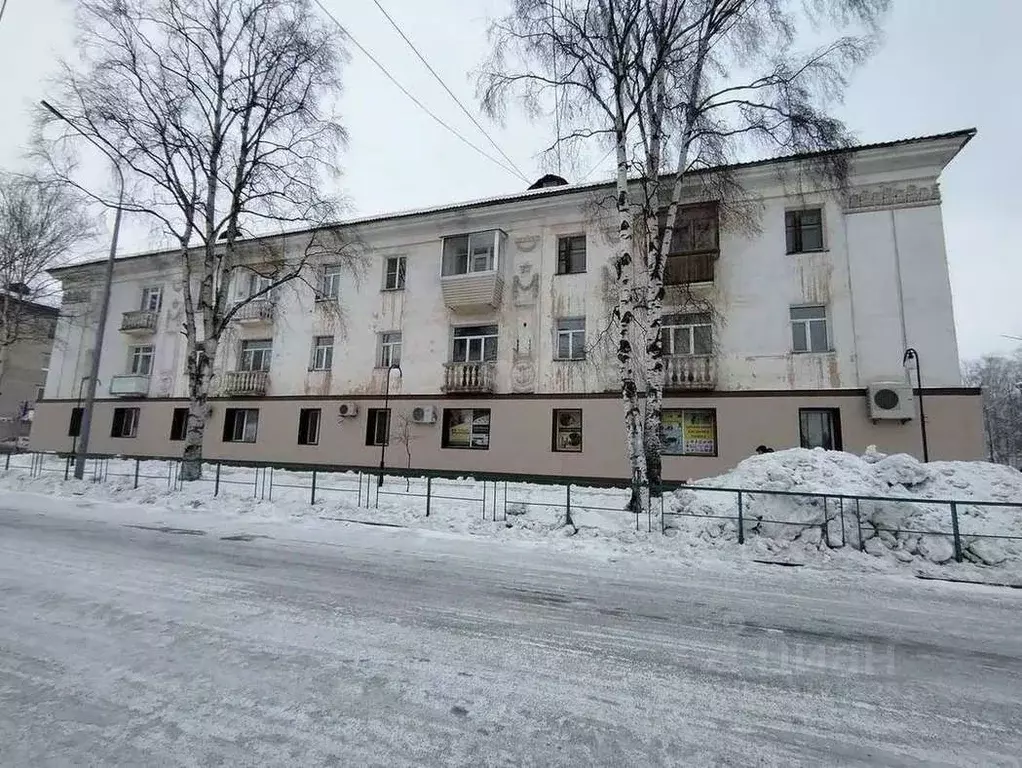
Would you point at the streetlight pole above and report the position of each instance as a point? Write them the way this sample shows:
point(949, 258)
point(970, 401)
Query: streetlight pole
point(912, 354)
point(386, 415)
point(82, 449)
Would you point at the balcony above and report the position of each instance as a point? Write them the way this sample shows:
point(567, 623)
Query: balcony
point(468, 378)
point(691, 372)
point(139, 321)
point(129, 385)
point(471, 271)
point(690, 268)
point(246, 383)
point(255, 312)
point(472, 292)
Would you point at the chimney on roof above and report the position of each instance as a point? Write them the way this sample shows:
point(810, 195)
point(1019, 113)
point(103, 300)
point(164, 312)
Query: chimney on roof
point(550, 180)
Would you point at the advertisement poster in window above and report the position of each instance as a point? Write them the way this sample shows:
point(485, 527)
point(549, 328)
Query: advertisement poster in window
point(469, 429)
point(689, 433)
point(481, 430)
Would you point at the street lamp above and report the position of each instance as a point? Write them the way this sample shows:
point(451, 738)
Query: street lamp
point(386, 415)
point(912, 354)
point(82, 448)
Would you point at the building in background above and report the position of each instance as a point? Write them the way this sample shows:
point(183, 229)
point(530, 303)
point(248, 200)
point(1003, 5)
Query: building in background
point(791, 332)
point(24, 364)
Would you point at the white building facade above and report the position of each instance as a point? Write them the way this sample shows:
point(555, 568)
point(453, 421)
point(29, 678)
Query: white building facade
point(788, 332)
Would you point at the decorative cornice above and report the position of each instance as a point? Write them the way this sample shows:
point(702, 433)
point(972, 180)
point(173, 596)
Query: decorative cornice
point(882, 196)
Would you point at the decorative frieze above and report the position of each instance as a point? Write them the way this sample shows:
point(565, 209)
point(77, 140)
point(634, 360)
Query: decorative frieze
point(882, 196)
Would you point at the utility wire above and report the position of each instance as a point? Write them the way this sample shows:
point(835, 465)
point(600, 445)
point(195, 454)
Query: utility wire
point(3, 7)
point(598, 164)
point(449, 91)
point(407, 93)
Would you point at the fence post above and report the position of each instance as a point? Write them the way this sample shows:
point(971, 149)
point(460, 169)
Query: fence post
point(216, 485)
point(484, 499)
point(359, 504)
point(841, 502)
point(313, 498)
point(826, 522)
point(954, 530)
point(858, 524)
point(271, 483)
point(429, 492)
point(505, 501)
point(7, 462)
point(67, 468)
point(568, 504)
point(741, 520)
point(136, 473)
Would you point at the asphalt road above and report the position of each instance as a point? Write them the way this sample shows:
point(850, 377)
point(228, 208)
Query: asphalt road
point(131, 646)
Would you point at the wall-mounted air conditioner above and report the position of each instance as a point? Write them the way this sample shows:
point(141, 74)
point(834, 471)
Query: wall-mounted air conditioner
point(891, 400)
point(424, 414)
point(347, 410)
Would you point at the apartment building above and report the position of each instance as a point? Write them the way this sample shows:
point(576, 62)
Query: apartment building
point(483, 323)
point(24, 362)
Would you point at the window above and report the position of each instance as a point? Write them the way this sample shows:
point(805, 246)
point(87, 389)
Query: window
point(74, 429)
point(40, 393)
point(571, 254)
point(476, 252)
point(394, 277)
point(241, 425)
point(125, 422)
point(695, 229)
point(567, 430)
point(255, 355)
point(253, 284)
point(804, 230)
point(474, 344)
point(51, 330)
point(179, 424)
point(820, 428)
point(322, 353)
point(689, 431)
point(331, 287)
point(466, 428)
point(378, 427)
point(571, 339)
point(809, 329)
point(45, 362)
point(308, 426)
point(152, 298)
point(687, 334)
point(390, 349)
point(141, 360)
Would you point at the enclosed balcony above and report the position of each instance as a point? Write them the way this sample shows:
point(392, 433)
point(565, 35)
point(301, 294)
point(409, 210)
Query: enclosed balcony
point(690, 372)
point(139, 321)
point(129, 385)
point(246, 383)
point(255, 312)
point(468, 378)
point(471, 276)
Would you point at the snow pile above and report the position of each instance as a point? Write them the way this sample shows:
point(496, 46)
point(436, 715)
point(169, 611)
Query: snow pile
point(919, 527)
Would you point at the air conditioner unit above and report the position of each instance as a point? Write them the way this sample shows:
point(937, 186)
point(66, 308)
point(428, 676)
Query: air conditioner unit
point(347, 410)
point(891, 400)
point(424, 414)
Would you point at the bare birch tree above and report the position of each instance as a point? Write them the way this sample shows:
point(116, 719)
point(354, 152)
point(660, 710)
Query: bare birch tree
point(1001, 380)
point(41, 225)
point(219, 115)
point(676, 87)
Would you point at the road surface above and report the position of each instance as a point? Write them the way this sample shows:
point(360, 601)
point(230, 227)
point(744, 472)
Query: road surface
point(132, 646)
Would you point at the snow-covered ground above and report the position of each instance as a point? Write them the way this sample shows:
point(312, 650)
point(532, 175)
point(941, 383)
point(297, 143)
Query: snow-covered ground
point(162, 633)
point(914, 532)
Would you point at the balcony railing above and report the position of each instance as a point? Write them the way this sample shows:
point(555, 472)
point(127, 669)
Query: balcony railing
point(472, 292)
point(688, 268)
point(129, 385)
point(246, 382)
point(468, 377)
point(690, 372)
point(139, 321)
point(255, 311)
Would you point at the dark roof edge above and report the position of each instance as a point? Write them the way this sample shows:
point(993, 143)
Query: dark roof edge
point(965, 134)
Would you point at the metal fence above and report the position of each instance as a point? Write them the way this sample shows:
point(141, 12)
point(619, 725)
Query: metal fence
point(841, 519)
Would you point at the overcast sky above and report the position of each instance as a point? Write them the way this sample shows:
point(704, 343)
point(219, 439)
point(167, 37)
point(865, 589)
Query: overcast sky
point(945, 64)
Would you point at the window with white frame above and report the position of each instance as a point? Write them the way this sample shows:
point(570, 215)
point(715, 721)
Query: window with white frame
point(241, 425)
point(125, 423)
point(330, 289)
point(474, 344)
point(140, 362)
point(394, 274)
point(809, 329)
point(322, 353)
point(687, 334)
point(475, 252)
point(255, 355)
point(152, 298)
point(253, 284)
point(308, 426)
point(571, 339)
point(390, 349)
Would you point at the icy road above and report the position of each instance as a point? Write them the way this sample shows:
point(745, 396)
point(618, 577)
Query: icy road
point(132, 646)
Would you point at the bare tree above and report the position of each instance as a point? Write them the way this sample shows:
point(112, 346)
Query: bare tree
point(404, 437)
point(1001, 380)
point(218, 113)
point(676, 87)
point(41, 225)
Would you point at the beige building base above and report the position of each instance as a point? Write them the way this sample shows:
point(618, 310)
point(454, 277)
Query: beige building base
point(521, 431)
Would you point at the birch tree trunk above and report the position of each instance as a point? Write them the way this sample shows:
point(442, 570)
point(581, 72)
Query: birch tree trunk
point(200, 375)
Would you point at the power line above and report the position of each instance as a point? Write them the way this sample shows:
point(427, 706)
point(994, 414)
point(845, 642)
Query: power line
point(446, 88)
point(598, 164)
point(3, 7)
point(407, 93)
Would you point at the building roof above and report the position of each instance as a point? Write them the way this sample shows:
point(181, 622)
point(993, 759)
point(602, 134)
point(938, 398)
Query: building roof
point(540, 192)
